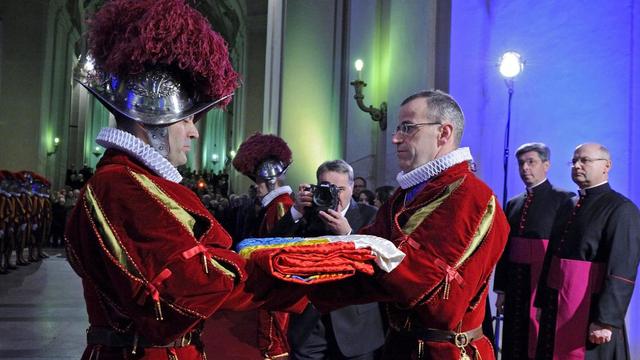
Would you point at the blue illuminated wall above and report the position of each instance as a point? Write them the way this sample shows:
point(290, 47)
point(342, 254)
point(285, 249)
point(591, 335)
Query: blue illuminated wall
point(581, 83)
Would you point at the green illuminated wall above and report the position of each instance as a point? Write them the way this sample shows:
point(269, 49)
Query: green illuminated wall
point(98, 119)
point(22, 49)
point(213, 140)
point(311, 91)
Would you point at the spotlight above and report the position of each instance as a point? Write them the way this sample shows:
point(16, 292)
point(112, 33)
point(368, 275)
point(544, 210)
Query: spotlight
point(511, 64)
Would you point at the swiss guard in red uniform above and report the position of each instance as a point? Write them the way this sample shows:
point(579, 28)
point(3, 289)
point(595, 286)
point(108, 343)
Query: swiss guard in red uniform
point(154, 263)
point(265, 159)
point(452, 230)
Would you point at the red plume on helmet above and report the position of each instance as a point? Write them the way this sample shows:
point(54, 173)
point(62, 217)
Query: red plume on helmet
point(155, 62)
point(259, 148)
point(127, 36)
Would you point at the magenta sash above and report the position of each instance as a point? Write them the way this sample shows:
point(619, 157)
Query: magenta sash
point(576, 281)
point(531, 252)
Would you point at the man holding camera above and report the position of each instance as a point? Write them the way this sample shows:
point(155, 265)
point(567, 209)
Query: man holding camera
point(351, 332)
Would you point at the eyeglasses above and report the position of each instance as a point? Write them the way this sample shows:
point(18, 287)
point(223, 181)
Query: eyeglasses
point(583, 160)
point(407, 128)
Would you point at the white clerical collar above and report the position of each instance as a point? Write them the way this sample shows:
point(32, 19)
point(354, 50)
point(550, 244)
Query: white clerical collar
point(111, 138)
point(433, 168)
point(267, 199)
point(583, 191)
point(530, 188)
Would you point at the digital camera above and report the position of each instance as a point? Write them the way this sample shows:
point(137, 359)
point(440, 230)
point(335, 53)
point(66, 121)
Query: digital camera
point(325, 196)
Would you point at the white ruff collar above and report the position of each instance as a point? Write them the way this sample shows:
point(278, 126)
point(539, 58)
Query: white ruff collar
point(111, 138)
point(433, 168)
point(267, 199)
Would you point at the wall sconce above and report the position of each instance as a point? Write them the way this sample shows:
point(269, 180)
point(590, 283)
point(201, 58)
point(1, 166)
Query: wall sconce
point(214, 159)
point(97, 152)
point(379, 115)
point(56, 143)
point(230, 155)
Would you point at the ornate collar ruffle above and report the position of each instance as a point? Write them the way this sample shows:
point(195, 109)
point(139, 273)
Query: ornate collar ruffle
point(433, 168)
point(267, 199)
point(111, 138)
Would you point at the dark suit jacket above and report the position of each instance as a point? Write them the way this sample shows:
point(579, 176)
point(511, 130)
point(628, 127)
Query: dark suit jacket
point(358, 329)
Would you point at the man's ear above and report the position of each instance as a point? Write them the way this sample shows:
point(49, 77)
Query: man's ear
point(446, 133)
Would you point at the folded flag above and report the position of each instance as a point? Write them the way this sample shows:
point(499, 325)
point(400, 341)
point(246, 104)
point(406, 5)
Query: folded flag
point(320, 259)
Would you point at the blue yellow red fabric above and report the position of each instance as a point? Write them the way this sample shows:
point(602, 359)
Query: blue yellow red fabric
point(320, 259)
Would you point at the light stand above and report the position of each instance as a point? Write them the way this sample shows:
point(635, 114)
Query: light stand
point(506, 150)
point(510, 65)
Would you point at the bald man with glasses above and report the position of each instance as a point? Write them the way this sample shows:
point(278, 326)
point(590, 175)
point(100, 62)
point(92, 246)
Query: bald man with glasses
point(452, 230)
point(590, 266)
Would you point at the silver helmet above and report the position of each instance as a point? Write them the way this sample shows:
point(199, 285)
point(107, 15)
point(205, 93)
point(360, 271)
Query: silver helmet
point(270, 171)
point(153, 97)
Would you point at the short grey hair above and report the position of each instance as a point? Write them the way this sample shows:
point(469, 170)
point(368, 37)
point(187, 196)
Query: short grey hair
point(603, 149)
point(605, 152)
point(543, 150)
point(339, 166)
point(442, 108)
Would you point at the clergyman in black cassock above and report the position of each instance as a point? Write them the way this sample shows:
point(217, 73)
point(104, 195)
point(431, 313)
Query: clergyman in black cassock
point(531, 215)
point(590, 268)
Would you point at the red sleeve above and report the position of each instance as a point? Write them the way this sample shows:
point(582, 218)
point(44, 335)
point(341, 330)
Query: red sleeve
point(451, 250)
point(131, 238)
